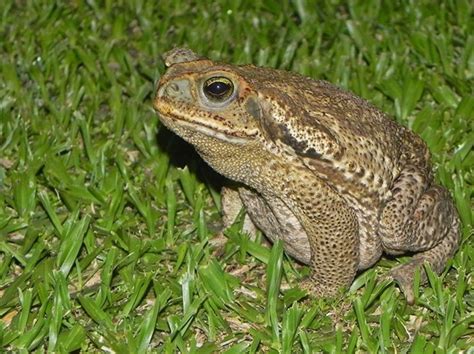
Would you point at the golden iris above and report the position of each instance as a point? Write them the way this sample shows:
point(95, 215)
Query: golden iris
point(218, 88)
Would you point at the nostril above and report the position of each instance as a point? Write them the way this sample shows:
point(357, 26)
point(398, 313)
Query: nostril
point(173, 88)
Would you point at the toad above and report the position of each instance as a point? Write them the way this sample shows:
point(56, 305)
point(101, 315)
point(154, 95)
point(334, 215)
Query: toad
point(323, 170)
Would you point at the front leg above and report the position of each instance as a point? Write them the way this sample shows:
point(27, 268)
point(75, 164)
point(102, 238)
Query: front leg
point(332, 231)
point(231, 205)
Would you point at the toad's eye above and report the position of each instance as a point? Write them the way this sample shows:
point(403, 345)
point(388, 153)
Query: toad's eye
point(218, 89)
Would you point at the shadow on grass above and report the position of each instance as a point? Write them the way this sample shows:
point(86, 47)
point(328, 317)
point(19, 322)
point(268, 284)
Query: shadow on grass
point(183, 154)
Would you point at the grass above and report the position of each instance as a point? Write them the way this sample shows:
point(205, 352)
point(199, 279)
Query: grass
point(105, 218)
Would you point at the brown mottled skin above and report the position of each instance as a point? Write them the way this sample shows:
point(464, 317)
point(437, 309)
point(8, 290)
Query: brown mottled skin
point(323, 170)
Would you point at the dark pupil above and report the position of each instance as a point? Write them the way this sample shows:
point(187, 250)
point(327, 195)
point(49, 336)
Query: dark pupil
point(218, 88)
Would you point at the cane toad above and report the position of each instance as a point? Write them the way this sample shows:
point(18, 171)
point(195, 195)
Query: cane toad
point(318, 167)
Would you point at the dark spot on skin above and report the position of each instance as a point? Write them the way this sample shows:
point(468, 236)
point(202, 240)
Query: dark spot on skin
point(379, 181)
point(300, 146)
point(312, 152)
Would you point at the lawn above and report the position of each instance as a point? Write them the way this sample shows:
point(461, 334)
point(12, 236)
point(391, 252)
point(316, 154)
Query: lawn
point(106, 218)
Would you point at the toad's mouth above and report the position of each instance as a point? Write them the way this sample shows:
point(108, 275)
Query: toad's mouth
point(187, 126)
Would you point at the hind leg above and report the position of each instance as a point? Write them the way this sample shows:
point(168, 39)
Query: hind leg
point(421, 221)
point(436, 257)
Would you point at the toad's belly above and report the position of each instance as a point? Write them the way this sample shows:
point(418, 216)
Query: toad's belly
point(277, 221)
